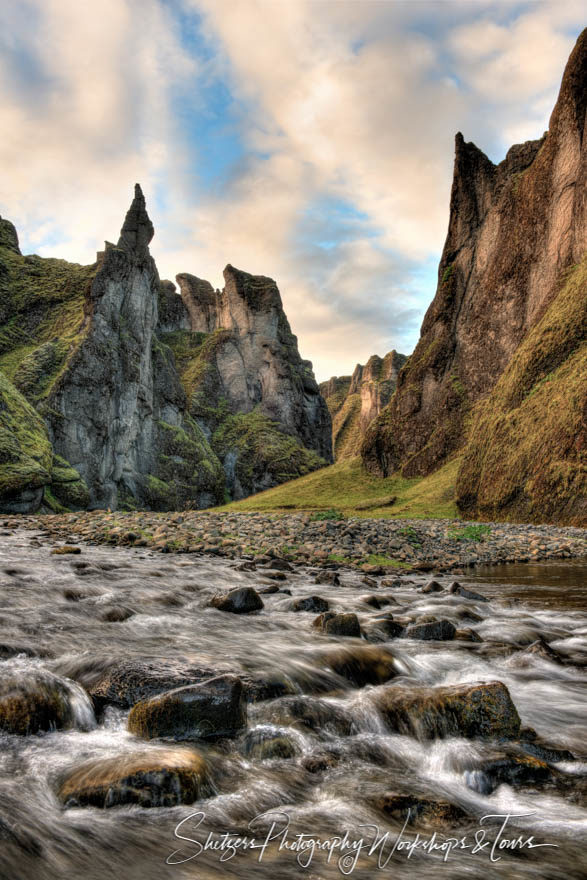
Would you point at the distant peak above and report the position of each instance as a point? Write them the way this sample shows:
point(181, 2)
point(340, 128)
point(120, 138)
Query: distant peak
point(137, 230)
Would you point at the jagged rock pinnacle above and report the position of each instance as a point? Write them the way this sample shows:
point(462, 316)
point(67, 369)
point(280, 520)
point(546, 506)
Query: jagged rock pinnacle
point(137, 230)
point(8, 236)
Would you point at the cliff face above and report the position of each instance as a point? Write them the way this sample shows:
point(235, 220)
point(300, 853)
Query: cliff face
point(515, 229)
point(125, 419)
point(354, 401)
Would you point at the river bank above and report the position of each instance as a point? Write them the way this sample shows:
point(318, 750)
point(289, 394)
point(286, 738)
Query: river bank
point(374, 545)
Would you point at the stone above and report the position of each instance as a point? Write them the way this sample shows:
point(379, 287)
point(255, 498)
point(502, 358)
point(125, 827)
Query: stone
point(433, 587)
point(328, 577)
point(541, 648)
point(243, 600)
point(467, 635)
point(482, 710)
point(438, 630)
point(36, 700)
point(512, 769)
point(310, 603)
point(214, 709)
point(413, 808)
point(362, 664)
point(65, 550)
point(155, 778)
point(266, 744)
point(342, 625)
point(116, 614)
point(458, 590)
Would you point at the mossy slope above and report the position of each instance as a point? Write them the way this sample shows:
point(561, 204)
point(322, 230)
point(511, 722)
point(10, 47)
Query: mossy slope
point(525, 457)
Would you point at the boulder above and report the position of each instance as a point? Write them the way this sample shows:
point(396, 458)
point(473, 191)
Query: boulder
point(433, 587)
point(511, 769)
point(210, 710)
point(243, 600)
point(342, 625)
point(32, 701)
point(266, 743)
point(310, 603)
point(361, 664)
point(438, 630)
point(402, 806)
point(154, 778)
point(480, 710)
point(457, 590)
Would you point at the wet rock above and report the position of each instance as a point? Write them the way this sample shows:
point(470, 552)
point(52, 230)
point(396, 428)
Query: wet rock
point(370, 582)
point(400, 807)
point(547, 753)
point(275, 575)
point(280, 564)
point(514, 770)
point(457, 590)
point(116, 614)
point(438, 630)
point(310, 603)
point(319, 763)
point(210, 710)
point(467, 635)
point(155, 778)
point(382, 629)
point(342, 625)
point(267, 591)
point(361, 664)
point(243, 600)
point(266, 743)
point(432, 587)
point(480, 710)
point(541, 648)
point(32, 701)
point(247, 565)
point(126, 682)
point(316, 714)
point(328, 577)
point(318, 622)
point(65, 550)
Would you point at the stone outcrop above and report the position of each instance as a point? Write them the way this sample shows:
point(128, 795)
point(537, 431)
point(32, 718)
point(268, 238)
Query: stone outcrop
point(246, 384)
point(516, 231)
point(144, 397)
point(354, 401)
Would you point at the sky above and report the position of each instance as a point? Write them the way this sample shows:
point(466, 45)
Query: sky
point(308, 140)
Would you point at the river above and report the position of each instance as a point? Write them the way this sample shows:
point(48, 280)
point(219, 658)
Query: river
point(331, 781)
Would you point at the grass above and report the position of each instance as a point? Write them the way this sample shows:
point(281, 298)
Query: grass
point(470, 533)
point(346, 487)
point(331, 514)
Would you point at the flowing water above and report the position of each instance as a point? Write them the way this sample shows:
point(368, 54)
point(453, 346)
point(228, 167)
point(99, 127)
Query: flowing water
point(51, 607)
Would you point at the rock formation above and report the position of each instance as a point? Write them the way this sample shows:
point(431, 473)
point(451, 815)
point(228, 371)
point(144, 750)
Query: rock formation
point(354, 401)
point(86, 346)
point(246, 383)
point(517, 230)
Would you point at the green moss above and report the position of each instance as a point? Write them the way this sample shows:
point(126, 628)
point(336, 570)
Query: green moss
point(447, 274)
point(261, 448)
point(25, 450)
point(524, 457)
point(470, 533)
point(41, 318)
point(323, 515)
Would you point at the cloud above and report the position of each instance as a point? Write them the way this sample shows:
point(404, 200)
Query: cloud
point(310, 141)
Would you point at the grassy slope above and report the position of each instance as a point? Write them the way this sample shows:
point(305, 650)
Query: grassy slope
point(525, 457)
point(346, 486)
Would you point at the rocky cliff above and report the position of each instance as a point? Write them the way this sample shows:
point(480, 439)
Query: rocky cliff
point(86, 346)
point(354, 401)
point(246, 383)
point(516, 231)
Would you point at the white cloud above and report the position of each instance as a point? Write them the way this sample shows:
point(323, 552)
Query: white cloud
point(350, 102)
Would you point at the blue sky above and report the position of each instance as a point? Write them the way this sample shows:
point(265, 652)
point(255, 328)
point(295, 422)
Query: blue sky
point(310, 141)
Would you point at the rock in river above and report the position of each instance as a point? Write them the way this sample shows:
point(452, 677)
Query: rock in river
point(159, 777)
point(35, 700)
point(310, 603)
point(437, 630)
point(480, 710)
point(342, 625)
point(361, 664)
point(240, 601)
point(210, 710)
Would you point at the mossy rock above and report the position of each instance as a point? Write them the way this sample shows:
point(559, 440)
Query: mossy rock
point(473, 711)
point(155, 778)
point(67, 488)
point(34, 701)
point(25, 452)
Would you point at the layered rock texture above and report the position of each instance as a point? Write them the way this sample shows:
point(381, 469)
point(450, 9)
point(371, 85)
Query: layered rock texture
point(499, 363)
point(120, 403)
point(354, 401)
